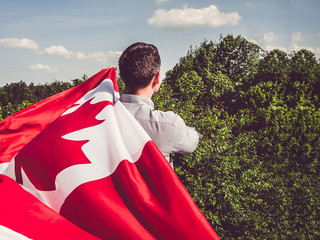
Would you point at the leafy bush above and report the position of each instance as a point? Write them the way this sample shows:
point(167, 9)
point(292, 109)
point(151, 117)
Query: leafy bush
point(255, 174)
point(16, 96)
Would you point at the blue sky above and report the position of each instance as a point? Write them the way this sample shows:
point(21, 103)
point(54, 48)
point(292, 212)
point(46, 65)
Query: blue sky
point(42, 41)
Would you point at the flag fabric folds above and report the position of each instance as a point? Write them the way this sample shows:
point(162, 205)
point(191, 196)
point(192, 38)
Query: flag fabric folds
point(24, 217)
point(81, 167)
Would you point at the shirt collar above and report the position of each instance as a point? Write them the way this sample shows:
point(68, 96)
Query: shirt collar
point(138, 99)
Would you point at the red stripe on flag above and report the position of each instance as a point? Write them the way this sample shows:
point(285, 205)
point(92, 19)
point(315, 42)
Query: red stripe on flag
point(23, 213)
point(145, 200)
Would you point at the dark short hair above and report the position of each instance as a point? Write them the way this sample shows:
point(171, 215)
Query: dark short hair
point(138, 64)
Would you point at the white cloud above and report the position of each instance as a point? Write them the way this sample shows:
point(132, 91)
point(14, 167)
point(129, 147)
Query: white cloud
point(296, 37)
point(114, 55)
point(296, 47)
point(159, 2)
point(19, 43)
point(79, 55)
point(58, 50)
point(270, 41)
point(62, 51)
point(297, 43)
point(269, 37)
point(269, 48)
point(104, 58)
point(187, 18)
point(249, 4)
point(41, 67)
point(267, 42)
point(98, 56)
point(252, 40)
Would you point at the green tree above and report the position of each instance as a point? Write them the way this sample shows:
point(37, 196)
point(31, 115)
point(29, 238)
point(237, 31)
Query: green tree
point(16, 96)
point(254, 174)
point(274, 67)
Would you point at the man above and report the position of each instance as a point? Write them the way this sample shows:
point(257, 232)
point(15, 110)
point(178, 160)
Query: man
point(139, 67)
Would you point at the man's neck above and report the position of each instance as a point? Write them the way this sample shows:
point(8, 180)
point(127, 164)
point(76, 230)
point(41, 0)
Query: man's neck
point(146, 92)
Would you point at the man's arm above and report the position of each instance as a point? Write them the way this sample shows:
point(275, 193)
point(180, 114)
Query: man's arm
point(185, 139)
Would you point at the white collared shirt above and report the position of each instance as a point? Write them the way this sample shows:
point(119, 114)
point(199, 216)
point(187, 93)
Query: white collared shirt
point(167, 129)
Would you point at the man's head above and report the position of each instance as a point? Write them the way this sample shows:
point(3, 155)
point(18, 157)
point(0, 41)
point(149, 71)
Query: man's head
point(138, 64)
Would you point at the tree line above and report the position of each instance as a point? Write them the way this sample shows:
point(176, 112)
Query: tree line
point(17, 96)
point(255, 173)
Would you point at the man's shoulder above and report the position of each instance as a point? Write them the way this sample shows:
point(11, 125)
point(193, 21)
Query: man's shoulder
point(166, 116)
point(142, 109)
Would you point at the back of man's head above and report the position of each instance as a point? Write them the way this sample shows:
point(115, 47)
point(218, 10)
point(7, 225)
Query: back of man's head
point(138, 64)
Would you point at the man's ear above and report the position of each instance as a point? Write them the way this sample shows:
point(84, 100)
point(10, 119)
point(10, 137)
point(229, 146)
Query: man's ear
point(157, 79)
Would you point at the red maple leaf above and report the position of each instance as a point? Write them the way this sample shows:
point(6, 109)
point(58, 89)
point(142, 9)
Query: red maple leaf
point(48, 153)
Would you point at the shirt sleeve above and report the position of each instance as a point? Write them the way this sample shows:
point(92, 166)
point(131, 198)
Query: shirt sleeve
point(185, 139)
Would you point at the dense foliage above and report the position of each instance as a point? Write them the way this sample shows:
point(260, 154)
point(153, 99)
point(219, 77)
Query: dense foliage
point(16, 96)
point(255, 173)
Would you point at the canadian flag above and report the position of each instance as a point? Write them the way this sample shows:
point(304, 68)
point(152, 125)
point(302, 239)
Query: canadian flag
point(78, 166)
